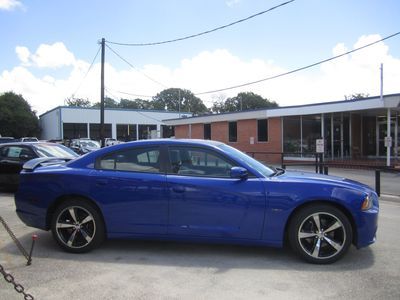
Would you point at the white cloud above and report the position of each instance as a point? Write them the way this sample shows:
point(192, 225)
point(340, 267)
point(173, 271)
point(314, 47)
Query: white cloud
point(10, 4)
point(231, 3)
point(209, 70)
point(23, 54)
point(46, 56)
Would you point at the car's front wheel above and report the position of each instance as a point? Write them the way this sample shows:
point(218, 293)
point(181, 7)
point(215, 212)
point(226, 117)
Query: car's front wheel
point(320, 233)
point(77, 226)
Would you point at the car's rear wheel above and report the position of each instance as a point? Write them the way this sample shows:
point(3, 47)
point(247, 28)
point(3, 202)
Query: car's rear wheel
point(320, 234)
point(77, 226)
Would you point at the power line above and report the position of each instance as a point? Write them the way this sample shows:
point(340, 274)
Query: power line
point(137, 110)
point(133, 67)
point(111, 94)
point(149, 117)
point(130, 94)
point(299, 69)
point(201, 33)
point(87, 72)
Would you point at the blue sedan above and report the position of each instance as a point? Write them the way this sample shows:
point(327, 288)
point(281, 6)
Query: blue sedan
point(194, 190)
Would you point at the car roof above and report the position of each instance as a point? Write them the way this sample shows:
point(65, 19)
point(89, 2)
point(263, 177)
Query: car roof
point(177, 141)
point(27, 144)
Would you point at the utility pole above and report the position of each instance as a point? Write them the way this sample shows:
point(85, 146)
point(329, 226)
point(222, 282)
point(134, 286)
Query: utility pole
point(179, 106)
point(381, 68)
point(103, 42)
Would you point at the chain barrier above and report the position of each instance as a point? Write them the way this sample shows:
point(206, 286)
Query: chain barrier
point(14, 238)
point(18, 287)
point(7, 276)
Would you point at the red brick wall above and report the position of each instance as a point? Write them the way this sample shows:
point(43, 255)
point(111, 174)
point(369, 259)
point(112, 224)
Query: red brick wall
point(219, 131)
point(246, 129)
point(182, 131)
point(197, 131)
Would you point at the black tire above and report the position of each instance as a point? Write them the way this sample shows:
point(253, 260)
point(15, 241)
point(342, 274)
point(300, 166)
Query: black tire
point(320, 234)
point(77, 226)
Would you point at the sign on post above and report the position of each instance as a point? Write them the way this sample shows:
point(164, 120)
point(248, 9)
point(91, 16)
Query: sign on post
point(320, 146)
point(388, 141)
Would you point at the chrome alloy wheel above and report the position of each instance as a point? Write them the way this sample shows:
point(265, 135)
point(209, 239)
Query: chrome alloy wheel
point(75, 227)
point(321, 235)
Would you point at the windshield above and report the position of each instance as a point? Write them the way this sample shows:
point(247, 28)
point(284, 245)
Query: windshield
point(48, 150)
point(93, 144)
point(255, 164)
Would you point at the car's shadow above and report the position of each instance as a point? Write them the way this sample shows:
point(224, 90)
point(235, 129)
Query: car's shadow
point(180, 254)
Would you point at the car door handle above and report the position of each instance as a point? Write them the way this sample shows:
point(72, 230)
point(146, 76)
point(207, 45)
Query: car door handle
point(101, 182)
point(178, 189)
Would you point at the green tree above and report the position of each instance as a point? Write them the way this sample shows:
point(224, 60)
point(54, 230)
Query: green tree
point(79, 102)
point(136, 104)
point(108, 103)
point(17, 118)
point(243, 101)
point(356, 96)
point(169, 99)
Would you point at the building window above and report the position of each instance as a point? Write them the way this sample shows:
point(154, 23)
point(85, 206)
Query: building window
point(291, 134)
point(262, 130)
point(233, 132)
point(311, 130)
point(207, 131)
point(126, 132)
point(94, 130)
point(74, 130)
point(147, 132)
point(167, 131)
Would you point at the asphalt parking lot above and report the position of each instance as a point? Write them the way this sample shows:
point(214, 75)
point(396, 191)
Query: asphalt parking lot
point(166, 270)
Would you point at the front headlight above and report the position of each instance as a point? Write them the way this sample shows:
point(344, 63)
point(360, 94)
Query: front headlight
point(367, 203)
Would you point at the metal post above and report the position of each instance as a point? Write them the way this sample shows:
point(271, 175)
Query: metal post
point(381, 97)
point(34, 238)
point(326, 170)
point(388, 135)
point(282, 157)
point(102, 92)
point(179, 104)
point(321, 164)
point(378, 182)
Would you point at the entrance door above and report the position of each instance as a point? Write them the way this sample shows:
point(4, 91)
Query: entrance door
point(382, 133)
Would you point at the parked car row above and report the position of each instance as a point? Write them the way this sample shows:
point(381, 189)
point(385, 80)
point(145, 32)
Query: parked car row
point(14, 155)
point(9, 139)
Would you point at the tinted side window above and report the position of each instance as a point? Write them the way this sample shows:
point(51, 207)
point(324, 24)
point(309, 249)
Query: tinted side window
point(134, 160)
point(15, 152)
point(198, 162)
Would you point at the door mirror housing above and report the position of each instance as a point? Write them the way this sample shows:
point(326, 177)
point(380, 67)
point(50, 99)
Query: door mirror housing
point(239, 173)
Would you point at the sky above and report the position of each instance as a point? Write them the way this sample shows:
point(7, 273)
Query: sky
point(48, 46)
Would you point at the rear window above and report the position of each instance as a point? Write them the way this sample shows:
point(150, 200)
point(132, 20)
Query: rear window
point(55, 150)
point(135, 160)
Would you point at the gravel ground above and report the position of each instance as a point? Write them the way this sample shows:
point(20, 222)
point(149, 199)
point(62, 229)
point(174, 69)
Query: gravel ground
point(166, 270)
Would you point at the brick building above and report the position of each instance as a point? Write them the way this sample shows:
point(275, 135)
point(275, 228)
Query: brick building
point(350, 129)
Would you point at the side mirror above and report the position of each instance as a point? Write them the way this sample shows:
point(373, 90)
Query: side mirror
point(239, 173)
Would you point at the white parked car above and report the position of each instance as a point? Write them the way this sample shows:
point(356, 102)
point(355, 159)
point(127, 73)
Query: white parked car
point(111, 141)
point(29, 139)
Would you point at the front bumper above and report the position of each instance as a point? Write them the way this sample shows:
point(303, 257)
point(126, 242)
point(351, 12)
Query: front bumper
point(367, 228)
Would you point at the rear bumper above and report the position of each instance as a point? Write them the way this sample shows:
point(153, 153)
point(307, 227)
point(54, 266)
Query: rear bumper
point(32, 220)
